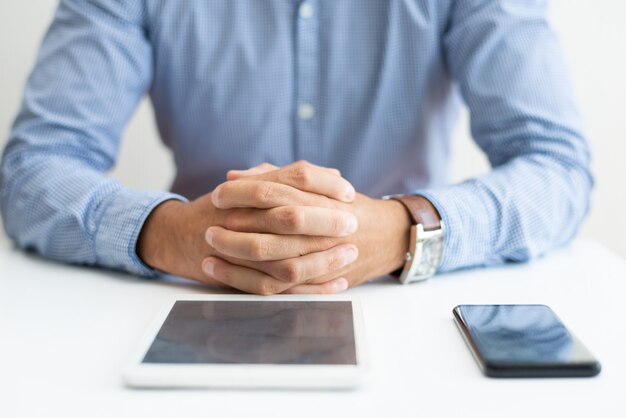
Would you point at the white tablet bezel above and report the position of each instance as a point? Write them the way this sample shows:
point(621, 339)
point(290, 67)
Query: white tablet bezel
point(138, 374)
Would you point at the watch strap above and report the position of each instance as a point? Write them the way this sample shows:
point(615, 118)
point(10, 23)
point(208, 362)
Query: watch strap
point(421, 211)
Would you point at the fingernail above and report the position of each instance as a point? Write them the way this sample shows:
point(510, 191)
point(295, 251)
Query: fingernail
point(351, 225)
point(340, 285)
point(208, 236)
point(208, 267)
point(215, 197)
point(349, 256)
point(349, 193)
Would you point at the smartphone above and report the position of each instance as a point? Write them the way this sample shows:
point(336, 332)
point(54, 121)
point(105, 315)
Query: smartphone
point(523, 341)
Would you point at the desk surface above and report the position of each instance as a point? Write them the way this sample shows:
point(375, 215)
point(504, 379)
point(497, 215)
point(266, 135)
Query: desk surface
point(67, 332)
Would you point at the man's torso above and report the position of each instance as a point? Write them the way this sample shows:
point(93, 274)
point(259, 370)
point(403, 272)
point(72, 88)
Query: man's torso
point(357, 85)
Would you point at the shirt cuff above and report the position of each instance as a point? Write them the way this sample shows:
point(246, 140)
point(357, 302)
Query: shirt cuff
point(467, 229)
point(119, 228)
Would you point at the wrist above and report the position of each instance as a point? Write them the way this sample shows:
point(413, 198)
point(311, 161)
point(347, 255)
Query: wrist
point(157, 244)
point(399, 234)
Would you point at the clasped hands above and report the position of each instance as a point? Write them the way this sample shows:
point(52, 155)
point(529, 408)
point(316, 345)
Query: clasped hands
point(267, 230)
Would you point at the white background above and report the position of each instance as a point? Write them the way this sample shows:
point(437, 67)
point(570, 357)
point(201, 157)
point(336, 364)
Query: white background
point(593, 34)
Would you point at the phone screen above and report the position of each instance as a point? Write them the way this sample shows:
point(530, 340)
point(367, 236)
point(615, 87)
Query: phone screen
point(523, 340)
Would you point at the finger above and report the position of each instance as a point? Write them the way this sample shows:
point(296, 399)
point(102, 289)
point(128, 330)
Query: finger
point(254, 171)
point(331, 170)
point(263, 195)
point(242, 278)
point(327, 169)
point(310, 178)
point(300, 270)
point(267, 167)
point(330, 287)
point(293, 220)
point(263, 247)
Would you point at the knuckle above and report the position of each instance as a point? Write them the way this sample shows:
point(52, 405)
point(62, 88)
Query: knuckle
point(302, 176)
point(293, 219)
point(292, 272)
point(263, 192)
point(259, 250)
point(232, 221)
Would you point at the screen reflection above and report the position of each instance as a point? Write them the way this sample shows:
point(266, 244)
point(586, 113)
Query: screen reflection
point(251, 332)
point(518, 333)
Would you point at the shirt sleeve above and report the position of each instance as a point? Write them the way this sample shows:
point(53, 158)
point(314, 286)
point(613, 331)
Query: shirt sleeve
point(94, 65)
point(511, 73)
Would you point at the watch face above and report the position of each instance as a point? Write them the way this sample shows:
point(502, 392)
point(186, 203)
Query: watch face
point(430, 255)
point(426, 256)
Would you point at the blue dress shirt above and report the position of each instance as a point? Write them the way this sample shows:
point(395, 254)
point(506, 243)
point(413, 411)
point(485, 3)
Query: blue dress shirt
point(371, 87)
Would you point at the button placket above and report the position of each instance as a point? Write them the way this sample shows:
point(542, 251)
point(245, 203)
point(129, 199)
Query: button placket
point(307, 132)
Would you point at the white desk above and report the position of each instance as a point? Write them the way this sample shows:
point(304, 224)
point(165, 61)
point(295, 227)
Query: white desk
point(67, 331)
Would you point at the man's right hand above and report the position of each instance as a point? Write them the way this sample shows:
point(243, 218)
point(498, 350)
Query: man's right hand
point(284, 206)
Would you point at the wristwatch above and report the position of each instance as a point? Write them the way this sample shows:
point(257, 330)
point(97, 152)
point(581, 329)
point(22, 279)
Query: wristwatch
point(426, 240)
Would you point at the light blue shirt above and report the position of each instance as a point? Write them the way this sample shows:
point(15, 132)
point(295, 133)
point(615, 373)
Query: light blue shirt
point(372, 87)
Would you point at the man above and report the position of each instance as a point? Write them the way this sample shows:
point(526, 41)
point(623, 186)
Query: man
point(365, 91)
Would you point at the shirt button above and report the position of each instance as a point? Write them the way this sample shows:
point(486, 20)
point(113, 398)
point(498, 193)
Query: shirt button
point(306, 10)
point(306, 111)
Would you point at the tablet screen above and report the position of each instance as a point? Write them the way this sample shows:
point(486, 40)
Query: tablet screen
point(256, 332)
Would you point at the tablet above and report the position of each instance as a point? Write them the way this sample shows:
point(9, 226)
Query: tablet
point(283, 341)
